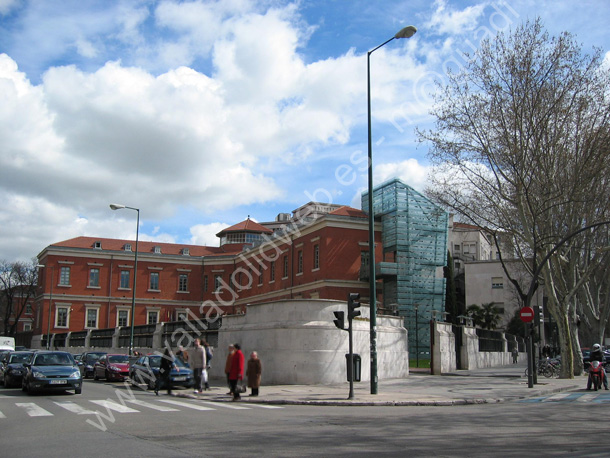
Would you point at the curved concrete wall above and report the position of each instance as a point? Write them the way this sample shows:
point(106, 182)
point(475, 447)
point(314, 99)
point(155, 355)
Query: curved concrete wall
point(298, 343)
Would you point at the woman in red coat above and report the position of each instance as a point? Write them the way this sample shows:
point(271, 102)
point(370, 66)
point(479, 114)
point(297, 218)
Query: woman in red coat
point(237, 371)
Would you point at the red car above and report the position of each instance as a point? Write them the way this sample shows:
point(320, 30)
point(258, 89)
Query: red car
point(114, 368)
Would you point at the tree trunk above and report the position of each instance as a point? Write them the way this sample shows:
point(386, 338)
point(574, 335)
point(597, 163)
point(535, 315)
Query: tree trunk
point(565, 341)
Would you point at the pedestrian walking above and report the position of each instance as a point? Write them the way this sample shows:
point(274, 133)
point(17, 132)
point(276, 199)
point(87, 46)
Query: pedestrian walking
point(198, 363)
point(182, 354)
point(208, 358)
point(515, 354)
point(228, 366)
point(168, 362)
point(254, 373)
point(236, 373)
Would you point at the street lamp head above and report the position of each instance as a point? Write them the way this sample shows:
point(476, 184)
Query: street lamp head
point(116, 206)
point(407, 32)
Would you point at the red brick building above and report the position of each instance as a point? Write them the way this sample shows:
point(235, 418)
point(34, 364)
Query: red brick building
point(318, 253)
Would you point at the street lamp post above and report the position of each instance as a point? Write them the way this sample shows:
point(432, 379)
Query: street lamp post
point(135, 273)
point(50, 306)
point(406, 32)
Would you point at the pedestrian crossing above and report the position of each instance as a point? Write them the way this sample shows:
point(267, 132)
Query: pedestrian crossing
point(593, 397)
point(120, 406)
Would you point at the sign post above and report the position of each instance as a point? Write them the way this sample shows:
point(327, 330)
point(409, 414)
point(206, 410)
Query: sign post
point(527, 316)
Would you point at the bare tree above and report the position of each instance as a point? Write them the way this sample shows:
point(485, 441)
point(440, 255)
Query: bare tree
point(18, 283)
point(521, 146)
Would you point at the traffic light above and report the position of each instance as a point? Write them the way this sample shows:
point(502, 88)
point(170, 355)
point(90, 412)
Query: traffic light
point(352, 305)
point(339, 320)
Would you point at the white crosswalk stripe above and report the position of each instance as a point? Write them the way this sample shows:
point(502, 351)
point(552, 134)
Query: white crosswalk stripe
point(557, 397)
point(111, 405)
point(33, 410)
point(152, 406)
point(75, 408)
point(225, 405)
point(188, 405)
point(587, 397)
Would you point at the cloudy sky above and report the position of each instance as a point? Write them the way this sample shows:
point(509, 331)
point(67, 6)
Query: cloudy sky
point(202, 113)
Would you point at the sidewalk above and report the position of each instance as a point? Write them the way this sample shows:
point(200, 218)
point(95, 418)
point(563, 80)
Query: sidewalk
point(491, 385)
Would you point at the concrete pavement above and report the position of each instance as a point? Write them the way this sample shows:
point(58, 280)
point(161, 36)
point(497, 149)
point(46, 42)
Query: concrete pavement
point(491, 385)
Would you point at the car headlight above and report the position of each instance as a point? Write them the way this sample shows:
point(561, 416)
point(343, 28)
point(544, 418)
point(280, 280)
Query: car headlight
point(114, 368)
point(75, 374)
point(37, 374)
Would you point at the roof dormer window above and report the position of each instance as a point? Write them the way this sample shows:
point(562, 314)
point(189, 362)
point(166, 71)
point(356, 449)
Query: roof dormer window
point(127, 247)
point(157, 249)
point(97, 245)
point(185, 251)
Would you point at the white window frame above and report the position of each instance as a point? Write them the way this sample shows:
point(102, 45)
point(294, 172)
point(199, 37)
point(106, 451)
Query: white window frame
point(150, 281)
point(92, 277)
point(96, 309)
point(64, 276)
point(128, 279)
point(150, 312)
point(121, 309)
point(57, 309)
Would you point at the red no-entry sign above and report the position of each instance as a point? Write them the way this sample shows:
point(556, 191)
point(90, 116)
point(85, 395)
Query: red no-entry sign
point(527, 314)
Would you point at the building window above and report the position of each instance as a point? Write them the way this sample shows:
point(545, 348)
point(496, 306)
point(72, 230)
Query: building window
point(456, 247)
point(157, 249)
point(125, 279)
point(122, 318)
point(497, 282)
point(154, 281)
point(27, 327)
point(260, 277)
point(97, 245)
point(217, 282)
point(183, 283)
point(205, 283)
point(272, 271)
point(316, 256)
point(181, 316)
point(92, 317)
point(300, 262)
point(64, 276)
point(153, 317)
point(94, 277)
point(61, 317)
point(128, 247)
point(364, 261)
point(185, 251)
point(286, 266)
point(28, 309)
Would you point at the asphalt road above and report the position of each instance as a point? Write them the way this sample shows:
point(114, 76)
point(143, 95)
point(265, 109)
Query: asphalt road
point(109, 420)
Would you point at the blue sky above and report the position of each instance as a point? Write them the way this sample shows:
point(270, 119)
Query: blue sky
point(201, 113)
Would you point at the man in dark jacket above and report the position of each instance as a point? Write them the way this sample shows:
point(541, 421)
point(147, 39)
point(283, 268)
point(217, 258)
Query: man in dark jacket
point(598, 355)
point(167, 364)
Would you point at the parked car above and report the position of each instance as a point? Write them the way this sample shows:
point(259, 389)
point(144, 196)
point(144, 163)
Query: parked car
point(12, 369)
point(52, 370)
point(112, 368)
point(88, 360)
point(145, 371)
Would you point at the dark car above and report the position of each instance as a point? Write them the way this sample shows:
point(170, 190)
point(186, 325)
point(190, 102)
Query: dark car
point(145, 371)
point(52, 370)
point(88, 360)
point(12, 367)
point(112, 368)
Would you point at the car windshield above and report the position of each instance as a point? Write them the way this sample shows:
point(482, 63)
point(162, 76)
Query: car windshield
point(118, 358)
point(53, 359)
point(20, 358)
point(93, 357)
point(155, 361)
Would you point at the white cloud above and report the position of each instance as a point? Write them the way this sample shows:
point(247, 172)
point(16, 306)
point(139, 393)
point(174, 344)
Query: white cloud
point(7, 5)
point(409, 171)
point(205, 234)
point(447, 19)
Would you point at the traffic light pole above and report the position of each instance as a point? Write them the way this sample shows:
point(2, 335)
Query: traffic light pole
point(350, 360)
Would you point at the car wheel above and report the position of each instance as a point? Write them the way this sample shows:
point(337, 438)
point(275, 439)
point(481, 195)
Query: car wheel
point(23, 386)
point(78, 390)
point(7, 382)
point(107, 375)
point(95, 377)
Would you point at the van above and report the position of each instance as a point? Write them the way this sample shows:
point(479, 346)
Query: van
point(7, 343)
